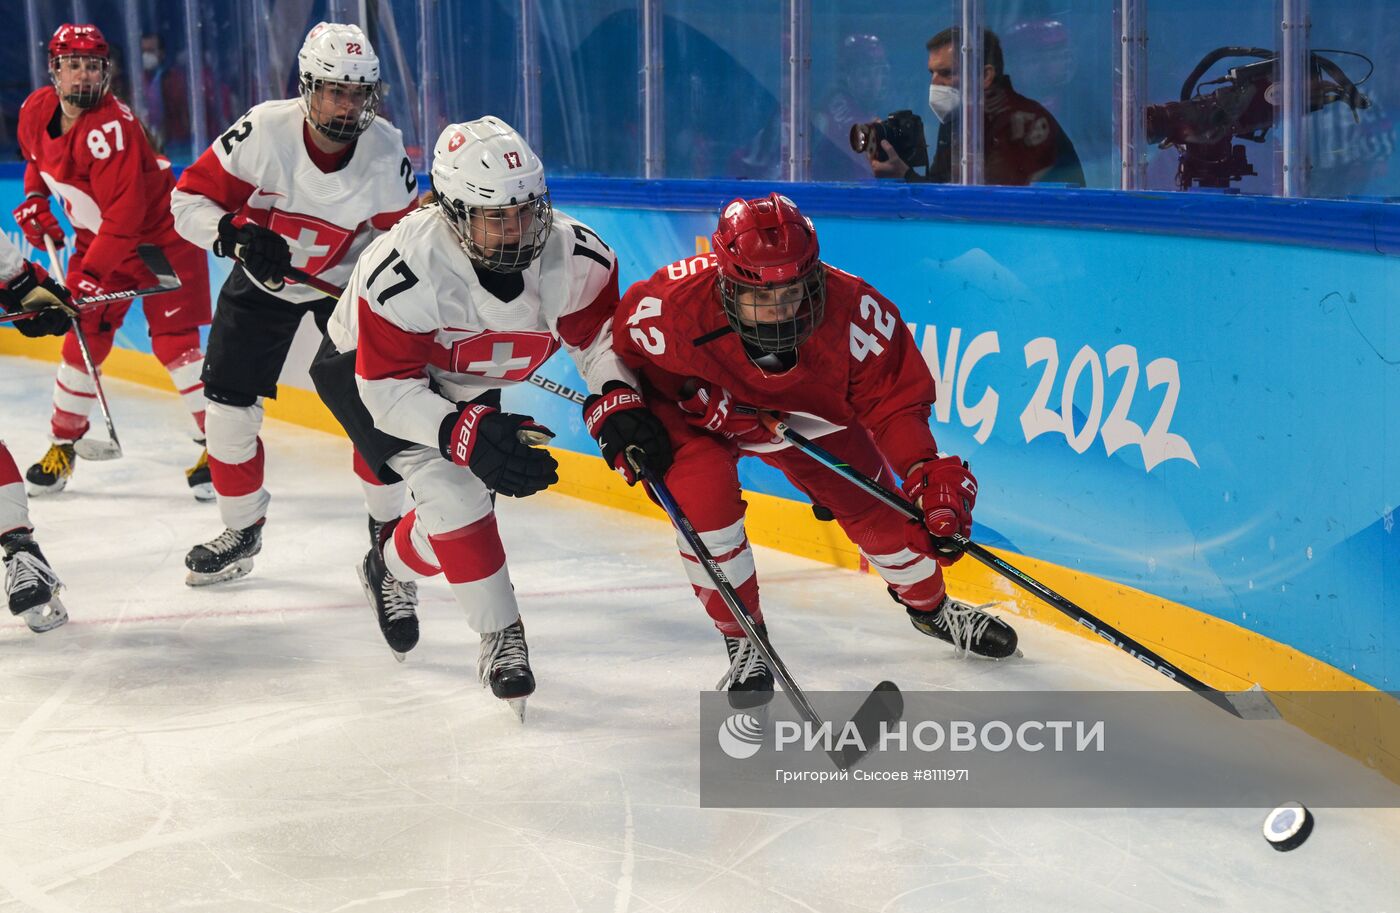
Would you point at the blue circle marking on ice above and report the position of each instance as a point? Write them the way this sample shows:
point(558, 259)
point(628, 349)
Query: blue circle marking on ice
point(741, 736)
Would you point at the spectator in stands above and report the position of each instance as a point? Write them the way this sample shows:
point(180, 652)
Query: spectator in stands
point(1022, 142)
point(153, 77)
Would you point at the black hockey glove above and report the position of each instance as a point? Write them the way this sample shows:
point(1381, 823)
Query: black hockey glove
point(34, 290)
point(496, 447)
point(619, 420)
point(263, 252)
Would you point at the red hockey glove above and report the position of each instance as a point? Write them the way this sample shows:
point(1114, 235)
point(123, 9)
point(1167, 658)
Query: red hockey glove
point(712, 408)
point(86, 285)
point(945, 490)
point(36, 220)
point(496, 447)
point(619, 420)
point(33, 290)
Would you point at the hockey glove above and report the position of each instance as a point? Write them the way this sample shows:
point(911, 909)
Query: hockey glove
point(34, 290)
point(945, 490)
point(36, 221)
point(713, 408)
point(263, 252)
point(87, 286)
point(488, 442)
point(619, 420)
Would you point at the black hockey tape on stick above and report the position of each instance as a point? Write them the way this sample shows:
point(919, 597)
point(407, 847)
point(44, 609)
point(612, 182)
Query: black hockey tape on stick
point(884, 705)
point(1253, 704)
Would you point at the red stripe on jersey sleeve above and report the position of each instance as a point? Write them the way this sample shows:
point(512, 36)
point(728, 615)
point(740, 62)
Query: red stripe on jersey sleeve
point(581, 327)
point(387, 220)
point(208, 178)
point(386, 351)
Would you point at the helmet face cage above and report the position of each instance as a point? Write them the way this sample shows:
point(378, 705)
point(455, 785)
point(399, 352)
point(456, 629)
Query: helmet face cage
point(500, 256)
point(775, 318)
point(86, 95)
point(340, 129)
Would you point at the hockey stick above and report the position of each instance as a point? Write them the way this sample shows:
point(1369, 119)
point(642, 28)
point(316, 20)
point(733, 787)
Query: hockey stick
point(88, 448)
point(1251, 704)
point(166, 281)
point(883, 705)
point(331, 291)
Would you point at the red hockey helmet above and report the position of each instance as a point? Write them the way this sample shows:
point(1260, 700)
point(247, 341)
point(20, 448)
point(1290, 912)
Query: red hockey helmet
point(84, 42)
point(771, 278)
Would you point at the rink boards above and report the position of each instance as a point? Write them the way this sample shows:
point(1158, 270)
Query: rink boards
point(1187, 435)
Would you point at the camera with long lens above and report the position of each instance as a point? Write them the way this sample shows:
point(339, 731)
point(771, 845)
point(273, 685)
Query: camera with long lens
point(1203, 127)
point(905, 132)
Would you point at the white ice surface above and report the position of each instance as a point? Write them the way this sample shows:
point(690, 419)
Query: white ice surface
point(255, 747)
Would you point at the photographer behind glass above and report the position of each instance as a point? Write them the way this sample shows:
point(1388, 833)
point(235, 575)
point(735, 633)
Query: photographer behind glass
point(1023, 143)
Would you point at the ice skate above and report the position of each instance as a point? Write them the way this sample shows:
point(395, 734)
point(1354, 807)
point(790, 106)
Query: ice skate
point(225, 557)
point(51, 474)
point(200, 482)
point(967, 627)
point(749, 681)
point(376, 527)
point(31, 585)
point(395, 602)
point(504, 665)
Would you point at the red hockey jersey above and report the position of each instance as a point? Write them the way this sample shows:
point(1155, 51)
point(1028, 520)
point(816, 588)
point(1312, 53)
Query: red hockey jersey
point(114, 187)
point(860, 366)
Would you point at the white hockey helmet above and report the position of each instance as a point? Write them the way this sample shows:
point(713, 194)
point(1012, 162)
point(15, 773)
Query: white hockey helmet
point(490, 188)
point(339, 58)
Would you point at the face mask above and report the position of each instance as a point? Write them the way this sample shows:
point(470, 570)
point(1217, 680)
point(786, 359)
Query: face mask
point(943, 101)
point(149, 60)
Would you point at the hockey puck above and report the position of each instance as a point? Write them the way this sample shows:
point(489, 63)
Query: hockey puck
point(1288, 826)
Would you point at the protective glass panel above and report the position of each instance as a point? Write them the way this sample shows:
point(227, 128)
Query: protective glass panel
point(470, 67)
point(1222, 135)
point(590, 97)
point(1050, 115)
point(1354, 151)
point(393, 31)
point(723, 81)
point(866, 65)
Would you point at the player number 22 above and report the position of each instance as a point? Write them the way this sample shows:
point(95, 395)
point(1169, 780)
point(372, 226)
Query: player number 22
point(97, 141)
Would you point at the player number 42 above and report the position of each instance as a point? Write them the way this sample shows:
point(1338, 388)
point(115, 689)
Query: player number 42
point(97, 140)
point(864, 342)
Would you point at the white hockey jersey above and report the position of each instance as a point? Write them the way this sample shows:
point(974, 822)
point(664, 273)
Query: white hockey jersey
point(416, 312)
point(260, 170)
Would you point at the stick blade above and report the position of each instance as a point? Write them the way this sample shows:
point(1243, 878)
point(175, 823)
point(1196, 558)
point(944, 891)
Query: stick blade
point(883, 706)
point(97, 450)
point(1254, 704)
point(155, 260)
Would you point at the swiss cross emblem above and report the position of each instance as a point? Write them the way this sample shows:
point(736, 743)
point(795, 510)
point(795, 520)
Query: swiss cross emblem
point(316, 245)
point(500, 355)
point(456, 141)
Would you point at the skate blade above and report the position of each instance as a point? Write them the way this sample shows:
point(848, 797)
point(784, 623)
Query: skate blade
point(517, 705)
point(46, 617)
point(97, 451)
point(203, 493)
point(239, 568)
point(397, 655)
